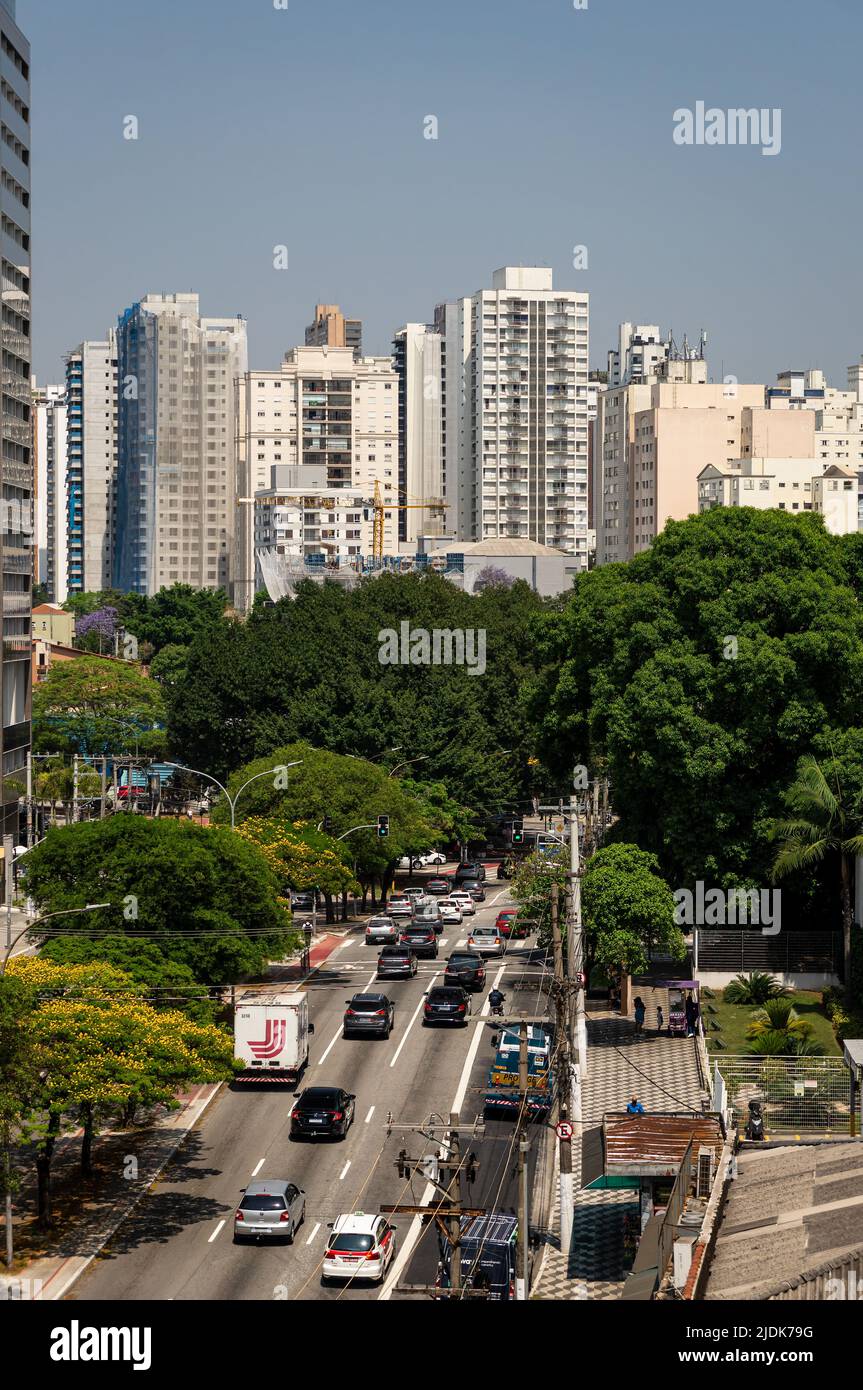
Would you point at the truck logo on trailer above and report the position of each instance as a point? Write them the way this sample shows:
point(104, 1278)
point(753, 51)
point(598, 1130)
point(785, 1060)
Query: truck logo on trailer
point(273, 1041)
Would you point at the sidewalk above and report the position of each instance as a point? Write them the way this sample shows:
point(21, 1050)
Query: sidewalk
point(664, 1073)
point(113, 1194)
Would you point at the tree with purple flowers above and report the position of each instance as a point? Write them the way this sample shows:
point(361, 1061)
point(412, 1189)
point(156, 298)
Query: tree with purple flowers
point(95, 632)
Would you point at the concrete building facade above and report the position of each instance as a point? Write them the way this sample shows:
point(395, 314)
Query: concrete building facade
point(49, 490)
point(788, 484)
point(330, 328)
point(91, 465)
point(323, 410)
point(16, 424)
point(417, 356)
point(176, 479)
point(514, 411)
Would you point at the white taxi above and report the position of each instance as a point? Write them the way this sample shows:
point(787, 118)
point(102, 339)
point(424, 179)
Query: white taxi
point(361, 1247)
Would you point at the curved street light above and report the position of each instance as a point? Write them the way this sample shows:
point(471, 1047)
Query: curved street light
point(232, 800)
point(424, 759)
point(32, 926)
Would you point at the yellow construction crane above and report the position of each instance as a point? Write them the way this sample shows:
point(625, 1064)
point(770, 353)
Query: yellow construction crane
point(431, 504)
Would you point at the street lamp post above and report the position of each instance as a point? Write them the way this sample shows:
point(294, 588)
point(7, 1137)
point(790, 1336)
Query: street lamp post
point(424, 759)
point(232, 800)
point(12, 942)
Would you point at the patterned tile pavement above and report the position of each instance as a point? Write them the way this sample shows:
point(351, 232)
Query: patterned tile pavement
point(663, 1072)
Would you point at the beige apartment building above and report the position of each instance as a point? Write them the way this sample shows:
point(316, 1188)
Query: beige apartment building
point(333, 414)
point(330, 328)
point(793, 485)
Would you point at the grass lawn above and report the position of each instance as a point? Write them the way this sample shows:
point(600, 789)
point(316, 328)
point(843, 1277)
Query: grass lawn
point(733, 1020)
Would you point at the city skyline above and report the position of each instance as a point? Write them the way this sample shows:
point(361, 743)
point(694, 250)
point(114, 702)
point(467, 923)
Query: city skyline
point(555, 126)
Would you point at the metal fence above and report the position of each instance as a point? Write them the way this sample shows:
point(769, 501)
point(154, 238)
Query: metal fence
point(811, 1094)
point(814, 953)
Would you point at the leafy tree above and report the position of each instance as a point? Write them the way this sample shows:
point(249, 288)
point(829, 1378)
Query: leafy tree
point(40, 595)
point(18, 1073)
point(492, 576)
point(702, 733)
point(628, 910)
point(99, 1050)
point(301, 857)
point(308, 670)
point(205, 895)
point(826, 819)
point(160, 981)
point(95, 632)
point(169, 666)
point(91, 703)
point(531, 886)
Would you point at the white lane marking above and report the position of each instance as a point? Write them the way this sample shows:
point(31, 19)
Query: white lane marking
point(412, 1236)
point(259, 1167)
point(369, 1115)
point(460, 945)
point(216, 1232)
point(332, 1044)
point(414, 1018)
point(344, 1173)
point(314, 1233)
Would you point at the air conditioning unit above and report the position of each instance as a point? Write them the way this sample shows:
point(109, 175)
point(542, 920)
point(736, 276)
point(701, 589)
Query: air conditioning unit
point(706, 1168)
point(682, 1259)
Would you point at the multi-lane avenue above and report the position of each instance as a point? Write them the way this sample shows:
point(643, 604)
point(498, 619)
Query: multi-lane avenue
point(178, 1242)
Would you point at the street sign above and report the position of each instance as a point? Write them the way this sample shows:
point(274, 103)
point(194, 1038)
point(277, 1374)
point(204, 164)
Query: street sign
point(564, 1130)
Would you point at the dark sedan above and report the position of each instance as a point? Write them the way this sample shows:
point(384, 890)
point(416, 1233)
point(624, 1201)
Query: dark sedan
point(446, 1004)
point(322, 1111)
point(465, 969)
point(439, 887)
point(422, 940)
point(396, 962)
point(474, 887)
point(369, 1014)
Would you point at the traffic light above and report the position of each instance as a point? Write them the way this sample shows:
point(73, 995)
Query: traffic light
point(518, 832)
point(383, 827)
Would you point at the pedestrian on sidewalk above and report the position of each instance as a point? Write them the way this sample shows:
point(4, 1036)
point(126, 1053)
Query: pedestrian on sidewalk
point(635, 1107)
point(660, 1018)
point(639, 1011)
point(691, 1016)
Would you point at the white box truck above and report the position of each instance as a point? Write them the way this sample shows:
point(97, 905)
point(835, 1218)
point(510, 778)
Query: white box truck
point(271, 1036)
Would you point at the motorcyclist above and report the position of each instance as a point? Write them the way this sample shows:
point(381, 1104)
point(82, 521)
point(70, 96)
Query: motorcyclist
point(495, 1001)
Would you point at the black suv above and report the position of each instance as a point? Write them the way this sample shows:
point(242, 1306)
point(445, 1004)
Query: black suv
point(369, 1013)
point(446, 1004)
point(472, 869)
point(475, 887)
point(465, 969)
point(323, 1110)
point(421, 939)
point(397, 962)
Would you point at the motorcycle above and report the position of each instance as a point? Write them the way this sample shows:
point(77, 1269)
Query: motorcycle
point(496, 1009)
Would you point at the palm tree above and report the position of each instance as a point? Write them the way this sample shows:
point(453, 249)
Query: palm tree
point(777, 1028)
point(823, 822)
point(755, 988)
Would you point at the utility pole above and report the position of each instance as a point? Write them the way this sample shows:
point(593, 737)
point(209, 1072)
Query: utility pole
point(447, 1210)
point(564, 1080)
point(575, 940)
point(29, 799)
point(9, 876)
point(522, 1276)
point(103, 788)
point(75, 787)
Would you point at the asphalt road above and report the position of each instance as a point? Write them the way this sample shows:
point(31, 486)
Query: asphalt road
point(178, 1243)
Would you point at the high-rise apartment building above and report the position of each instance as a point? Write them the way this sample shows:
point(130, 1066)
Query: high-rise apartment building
point(323, 409)
point(49, 489)
point(91, 468)
point(515, 411)
point(417, 359)
point(640, 349)
point(177, 377)
point(16, 425)
point(330, 328)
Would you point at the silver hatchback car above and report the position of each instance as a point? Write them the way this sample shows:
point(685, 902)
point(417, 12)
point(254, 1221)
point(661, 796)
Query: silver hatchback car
point(271, 1207)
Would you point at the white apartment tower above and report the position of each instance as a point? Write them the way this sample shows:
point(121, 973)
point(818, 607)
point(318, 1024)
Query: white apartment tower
point(417, 357)
point(515, 411)
point(91, 465)
point(177, 376)
point(50, 489)
point(640, 348)
point(336, 416)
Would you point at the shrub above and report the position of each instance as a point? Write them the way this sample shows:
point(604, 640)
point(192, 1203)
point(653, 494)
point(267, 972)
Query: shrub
point(755, 988)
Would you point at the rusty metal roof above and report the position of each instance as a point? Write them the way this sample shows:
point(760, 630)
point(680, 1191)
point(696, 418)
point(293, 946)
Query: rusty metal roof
point(653, 1145)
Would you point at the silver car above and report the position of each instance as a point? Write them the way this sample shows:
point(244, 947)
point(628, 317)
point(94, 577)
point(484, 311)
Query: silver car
point(381, 931)
point(271, 1207)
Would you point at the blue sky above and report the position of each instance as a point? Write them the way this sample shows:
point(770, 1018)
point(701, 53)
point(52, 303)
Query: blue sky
point(304, 127)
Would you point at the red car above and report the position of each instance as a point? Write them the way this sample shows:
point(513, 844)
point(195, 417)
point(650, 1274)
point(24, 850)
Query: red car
point(507, 925)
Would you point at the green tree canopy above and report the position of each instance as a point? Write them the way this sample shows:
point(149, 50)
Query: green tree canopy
point(204, 895)
point(93, 705)
point(628, 909)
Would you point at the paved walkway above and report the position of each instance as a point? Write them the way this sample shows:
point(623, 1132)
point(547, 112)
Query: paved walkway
point(664, 1073)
